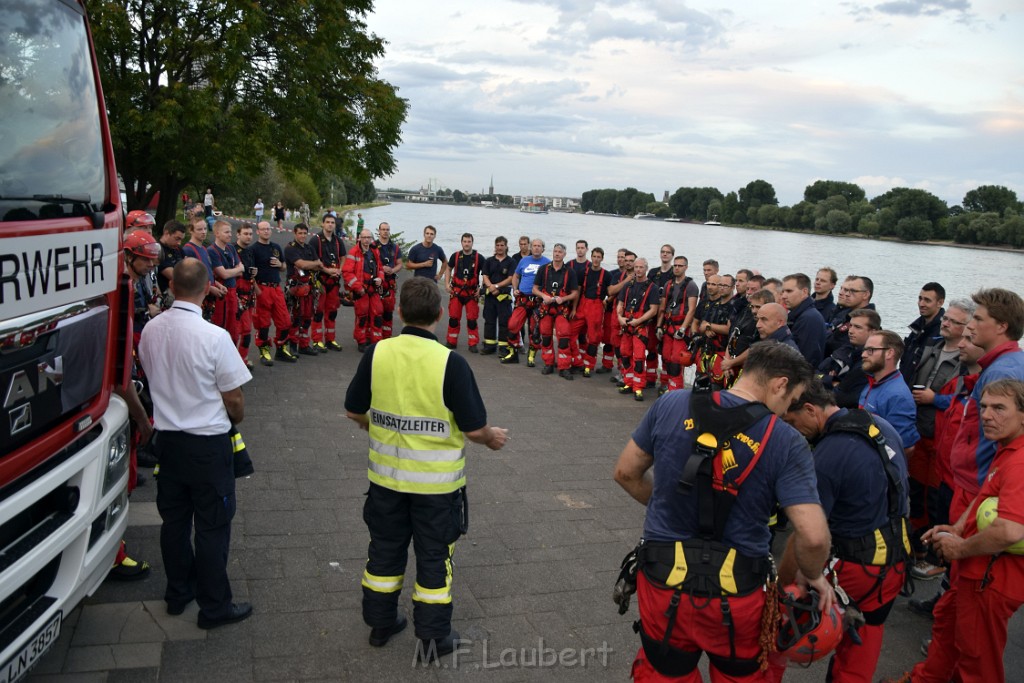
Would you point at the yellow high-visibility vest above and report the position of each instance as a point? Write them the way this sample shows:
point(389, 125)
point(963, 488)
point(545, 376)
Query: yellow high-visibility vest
point(415, 445)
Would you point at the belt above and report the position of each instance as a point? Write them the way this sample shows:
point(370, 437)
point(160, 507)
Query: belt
point(268, 284)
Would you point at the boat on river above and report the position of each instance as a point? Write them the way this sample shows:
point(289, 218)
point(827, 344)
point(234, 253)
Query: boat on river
point(645, 217)
point(533, 208)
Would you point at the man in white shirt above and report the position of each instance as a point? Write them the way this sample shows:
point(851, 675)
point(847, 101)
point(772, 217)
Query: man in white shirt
point(196, 378)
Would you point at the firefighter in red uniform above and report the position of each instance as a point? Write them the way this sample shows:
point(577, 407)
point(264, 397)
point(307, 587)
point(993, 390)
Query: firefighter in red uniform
point(638, 305)
point(704, 564)
point(364, 280)
point(227, 267)
point(302, 295)
point(862, 483)
point(661, 276)
point(618, 279)
point(590, 308)
point(988, 565)
point(270, 304)
point(556, 286)
point(329, 248)
point(245, 288)
point(675, 319)
point(711, 325)
point(390, 263)
point(464, 270)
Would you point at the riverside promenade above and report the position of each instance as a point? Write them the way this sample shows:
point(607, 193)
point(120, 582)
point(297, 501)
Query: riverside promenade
point(533, 577)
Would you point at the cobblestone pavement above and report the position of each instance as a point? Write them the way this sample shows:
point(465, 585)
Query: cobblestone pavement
point(533, 577)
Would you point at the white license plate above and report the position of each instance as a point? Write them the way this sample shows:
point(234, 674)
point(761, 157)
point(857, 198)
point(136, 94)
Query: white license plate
point(20, 664)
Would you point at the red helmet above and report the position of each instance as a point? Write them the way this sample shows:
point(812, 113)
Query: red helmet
point(686, 357)
point(141, 243)
point(805, 633)
point(139, 219)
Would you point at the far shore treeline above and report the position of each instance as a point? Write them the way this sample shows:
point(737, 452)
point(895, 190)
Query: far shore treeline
point(989, 215)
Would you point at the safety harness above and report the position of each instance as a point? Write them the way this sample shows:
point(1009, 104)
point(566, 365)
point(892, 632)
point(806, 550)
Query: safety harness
point(586, 282)
point(676, 306)
point(889, 544)
point(468, 282)
point(331, 261)
point(554, 289)
point(705, 567)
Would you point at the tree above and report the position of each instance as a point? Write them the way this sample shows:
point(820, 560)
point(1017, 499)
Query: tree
point(730, 207)
point(756, 194)
point(823, 189)
point(199, 90)
point(991, 198)
point(458, 196)
point(914, 229)
point(838, 220)
point(911, 203)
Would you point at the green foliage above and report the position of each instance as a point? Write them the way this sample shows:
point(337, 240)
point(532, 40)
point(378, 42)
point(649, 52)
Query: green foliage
point(767, 215)
point(459, 196)
point(838, 220)
point(820, 190)
point(912, 203)
point(730, 207)
point(757, 193)
point(991, 198)
point(626, 202)
point(913, 228)
point(695, 203)
point(200, 92)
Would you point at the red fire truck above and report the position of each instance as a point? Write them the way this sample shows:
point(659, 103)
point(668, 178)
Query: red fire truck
point(64, 440)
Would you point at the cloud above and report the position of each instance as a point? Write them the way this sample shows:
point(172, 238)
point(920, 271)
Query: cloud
point(534, 94)
point(916, 8)
point(423, 74)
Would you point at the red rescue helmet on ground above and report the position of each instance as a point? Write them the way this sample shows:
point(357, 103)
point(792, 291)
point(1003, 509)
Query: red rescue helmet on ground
point(141, 243)
point(806, 634)
point(686, 357)
point(138, 219)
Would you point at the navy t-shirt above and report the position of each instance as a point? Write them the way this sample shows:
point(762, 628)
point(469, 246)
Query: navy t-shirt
point(852, 483)
point(419, 253)
point(783, 475)
point(261, 254)
point(226, 258)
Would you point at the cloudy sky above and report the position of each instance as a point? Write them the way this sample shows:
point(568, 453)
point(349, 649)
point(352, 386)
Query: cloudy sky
point(561, 96)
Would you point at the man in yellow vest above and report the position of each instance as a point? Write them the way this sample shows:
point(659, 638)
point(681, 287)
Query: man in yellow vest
point(419, 402)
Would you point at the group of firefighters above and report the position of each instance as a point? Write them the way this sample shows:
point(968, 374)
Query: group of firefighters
point(847, 504)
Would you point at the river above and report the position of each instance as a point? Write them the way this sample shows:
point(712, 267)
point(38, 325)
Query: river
point(897, 269)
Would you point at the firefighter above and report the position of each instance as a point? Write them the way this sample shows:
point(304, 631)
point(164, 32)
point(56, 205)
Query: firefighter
point(497, 277)
point(638, 305)
point(227, 267)
point(526, 304)
point(720, 462)
point(464, 270)
point(303, 264)
point(329, 248)
point(246, 289)
point(618, 279)
point(364, 281)
point(557, 289)
point(427, 502)
point(270, 304)
point(589, 316)
point(391, 262)
point(862, 484)
point(674, 321)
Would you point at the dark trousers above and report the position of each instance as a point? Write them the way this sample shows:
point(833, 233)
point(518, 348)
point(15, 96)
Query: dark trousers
point(496, 316)
point(433, 523)
point(196, 492)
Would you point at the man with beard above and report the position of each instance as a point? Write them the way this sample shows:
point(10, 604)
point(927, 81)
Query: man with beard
point(925, 331)
point(886, 394)
point(390, 263)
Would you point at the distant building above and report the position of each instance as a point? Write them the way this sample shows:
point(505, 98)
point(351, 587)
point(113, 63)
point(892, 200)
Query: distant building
point(490, 188)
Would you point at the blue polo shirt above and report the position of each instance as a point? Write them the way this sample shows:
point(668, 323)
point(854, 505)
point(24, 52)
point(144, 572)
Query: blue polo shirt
point(852, 483)
point(527, 271)
point(890, 399)
point(784, 475)
point(419, 253)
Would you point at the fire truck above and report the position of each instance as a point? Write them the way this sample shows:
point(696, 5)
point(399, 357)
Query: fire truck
point(64, 342)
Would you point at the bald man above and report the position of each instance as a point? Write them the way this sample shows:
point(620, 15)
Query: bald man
point(771, 325)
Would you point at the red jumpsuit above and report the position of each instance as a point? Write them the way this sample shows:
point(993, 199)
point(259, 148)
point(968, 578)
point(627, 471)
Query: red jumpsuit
point(590, 312)
point(969, 634)
point(465, 274)
point(359, 271)
point(675, 338)
point(635, 299)
point(390, 254)
point(326, 315)
point(553, 317)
